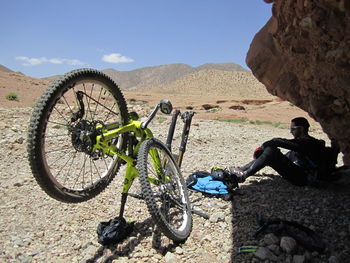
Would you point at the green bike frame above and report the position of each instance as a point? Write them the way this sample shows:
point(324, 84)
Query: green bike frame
point(106, 147)
point(137, 129)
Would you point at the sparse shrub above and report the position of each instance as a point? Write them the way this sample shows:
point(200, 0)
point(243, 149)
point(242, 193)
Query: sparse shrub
point(12, 96)
point(258, 122)
point(214, 110)
point(161, 119)
point(277, 124)
point(135, 102)
point(132, 102)
point(236, 107)
point(209, 106)
point(237, 121)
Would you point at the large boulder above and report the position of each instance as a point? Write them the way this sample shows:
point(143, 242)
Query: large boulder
point(302, 55)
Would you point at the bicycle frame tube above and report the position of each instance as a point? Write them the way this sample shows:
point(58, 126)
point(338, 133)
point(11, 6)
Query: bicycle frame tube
point(104, 145)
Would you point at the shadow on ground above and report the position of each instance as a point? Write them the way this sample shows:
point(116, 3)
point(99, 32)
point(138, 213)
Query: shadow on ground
point(325, 209)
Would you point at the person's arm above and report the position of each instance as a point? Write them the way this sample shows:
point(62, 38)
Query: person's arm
point(293, 145)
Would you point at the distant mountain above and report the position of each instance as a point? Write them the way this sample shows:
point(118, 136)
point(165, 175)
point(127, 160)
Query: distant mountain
point(5, 69)
point(222, 66)
point(149, 76)
point(206, 82)
point(162, 75)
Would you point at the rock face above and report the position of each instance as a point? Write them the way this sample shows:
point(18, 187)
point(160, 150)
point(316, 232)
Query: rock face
point(302, 55)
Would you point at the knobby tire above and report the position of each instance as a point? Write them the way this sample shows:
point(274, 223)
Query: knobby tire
point(167, 200)
point(59, 138)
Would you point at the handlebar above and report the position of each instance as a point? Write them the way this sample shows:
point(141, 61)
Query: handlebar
point(164, 106)
point(150, 117)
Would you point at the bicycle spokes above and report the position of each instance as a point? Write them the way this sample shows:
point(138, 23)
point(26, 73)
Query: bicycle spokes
point(73, 123)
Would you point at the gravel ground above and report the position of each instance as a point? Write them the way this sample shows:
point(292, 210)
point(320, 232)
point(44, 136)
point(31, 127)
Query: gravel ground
point(36, 228)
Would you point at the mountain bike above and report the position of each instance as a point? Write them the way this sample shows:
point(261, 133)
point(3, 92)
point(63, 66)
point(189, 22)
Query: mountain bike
point(80, 134)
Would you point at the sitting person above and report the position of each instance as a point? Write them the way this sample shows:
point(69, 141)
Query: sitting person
point(308, 159)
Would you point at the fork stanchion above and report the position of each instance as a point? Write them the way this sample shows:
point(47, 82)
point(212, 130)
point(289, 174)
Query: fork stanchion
point(187, 119)
point(172, 129)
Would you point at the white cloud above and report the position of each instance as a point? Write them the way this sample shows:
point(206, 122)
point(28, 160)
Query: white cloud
point(116, 58)
point(37, 61)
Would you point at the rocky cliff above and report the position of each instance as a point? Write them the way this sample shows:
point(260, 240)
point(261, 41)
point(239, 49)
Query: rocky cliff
point(302, 55)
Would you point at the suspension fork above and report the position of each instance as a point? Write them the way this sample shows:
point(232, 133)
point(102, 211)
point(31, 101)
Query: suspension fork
point(187, 119)
point(172, 129)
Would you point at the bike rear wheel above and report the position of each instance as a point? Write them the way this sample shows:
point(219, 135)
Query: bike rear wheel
point(63, 130)
point(164, 190)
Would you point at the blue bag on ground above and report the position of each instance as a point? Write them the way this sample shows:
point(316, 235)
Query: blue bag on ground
point(205, 183)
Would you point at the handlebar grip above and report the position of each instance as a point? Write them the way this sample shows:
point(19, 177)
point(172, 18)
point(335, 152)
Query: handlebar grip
point(150, 117)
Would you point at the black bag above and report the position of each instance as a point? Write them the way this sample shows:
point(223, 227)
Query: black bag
point(114, 231)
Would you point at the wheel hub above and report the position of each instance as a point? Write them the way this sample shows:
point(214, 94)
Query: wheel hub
point(84, 136)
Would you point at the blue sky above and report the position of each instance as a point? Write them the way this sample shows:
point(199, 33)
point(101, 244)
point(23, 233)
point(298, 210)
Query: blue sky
point(41, 38)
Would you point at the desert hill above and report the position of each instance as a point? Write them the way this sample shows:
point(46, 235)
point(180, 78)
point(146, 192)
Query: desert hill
point(27, 89)
point(4, 69)
point(162, 75)
point(235, 84)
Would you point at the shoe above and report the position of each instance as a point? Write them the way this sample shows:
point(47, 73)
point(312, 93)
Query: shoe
point(218, 173)
point(237, 173)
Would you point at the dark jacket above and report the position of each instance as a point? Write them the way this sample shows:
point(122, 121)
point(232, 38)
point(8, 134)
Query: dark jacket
point(309, 153)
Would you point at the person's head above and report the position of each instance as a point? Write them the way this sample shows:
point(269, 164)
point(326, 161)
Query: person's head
point(299, 127)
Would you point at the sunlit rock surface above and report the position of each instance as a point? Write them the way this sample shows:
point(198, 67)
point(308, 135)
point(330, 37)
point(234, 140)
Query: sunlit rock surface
point(302, 55)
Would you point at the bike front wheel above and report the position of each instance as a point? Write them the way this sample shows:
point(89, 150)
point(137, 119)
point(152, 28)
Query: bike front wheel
point(62, 133)
point(164, 190)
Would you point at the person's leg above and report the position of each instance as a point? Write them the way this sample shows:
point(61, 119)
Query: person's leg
point(280, 163)
point(247, 166)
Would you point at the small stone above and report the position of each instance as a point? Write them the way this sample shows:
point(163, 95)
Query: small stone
point(217, 217)
point(35, 252)
point(121, 260)
point(89, 252)
point(206, 238)
point(275, 249)
point(333, 259)
point(288, 244)
point(298, 259)
point(20, 140)
point(18, 243)
point(170, 258)
point(271, 239)
point(307, 255)
point(179, 250)
point(306, 23)
point(264, 253)
point(223, 205)
point(343, 234)
point(18, 184)
point(288, 259)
